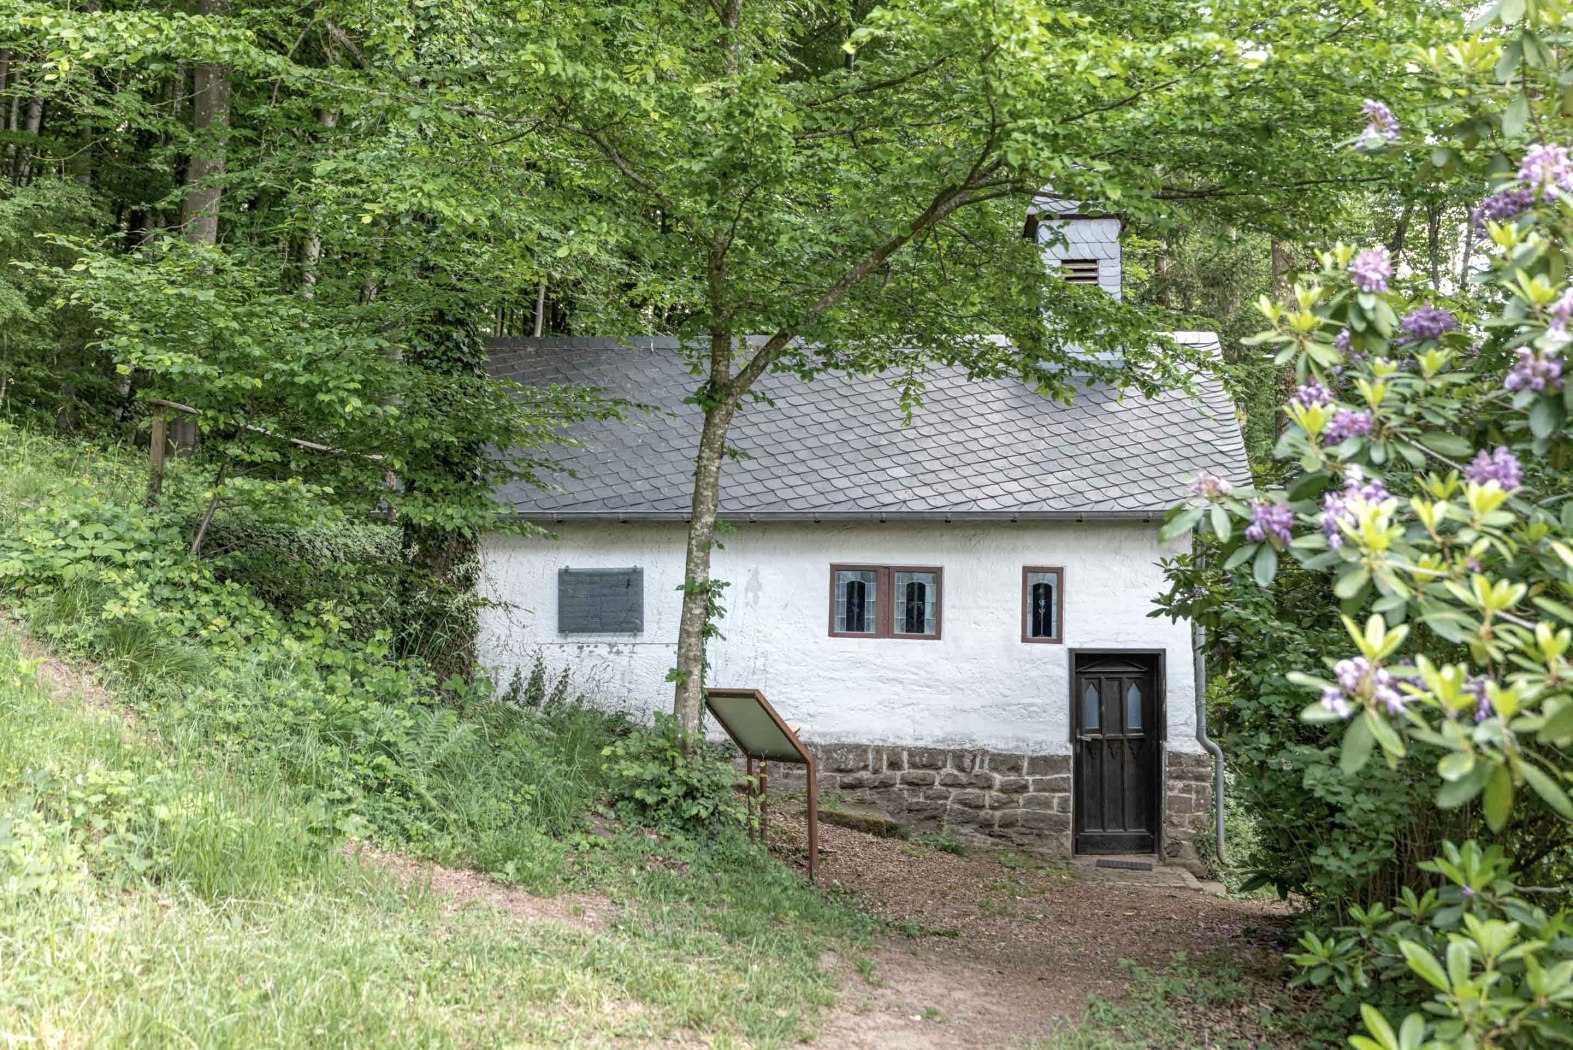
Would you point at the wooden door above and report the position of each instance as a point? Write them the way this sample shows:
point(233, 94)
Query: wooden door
point(1114, 717)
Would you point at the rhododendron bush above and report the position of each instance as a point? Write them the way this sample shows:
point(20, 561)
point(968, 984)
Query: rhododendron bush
point(1426, 457)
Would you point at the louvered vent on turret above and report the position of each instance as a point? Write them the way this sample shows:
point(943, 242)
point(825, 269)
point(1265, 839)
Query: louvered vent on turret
point(1084, 247)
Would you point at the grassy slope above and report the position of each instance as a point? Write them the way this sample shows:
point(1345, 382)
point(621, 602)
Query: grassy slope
point(157, 892)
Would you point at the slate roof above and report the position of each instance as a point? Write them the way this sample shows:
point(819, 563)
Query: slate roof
point(836, 447)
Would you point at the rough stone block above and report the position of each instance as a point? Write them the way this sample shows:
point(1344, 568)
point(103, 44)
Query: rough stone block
point(971, 761)
point(1008, 765)
point(1042, 802)
point(936, 794)
point(1010, 818)
point(919, 778)
point(982, 780)
point(1052, 784)
point(954, 778)
point(1048, 765)
point(927, 758)
point(999, 801)
point(970, 799)
point(842, 758)
point(852, 781)
point(1011, 785)
point(883, 780)
point(895, 759)
point(1040, 821)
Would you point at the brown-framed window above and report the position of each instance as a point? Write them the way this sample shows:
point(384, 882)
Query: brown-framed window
point(885, 601)
point(1042, 604)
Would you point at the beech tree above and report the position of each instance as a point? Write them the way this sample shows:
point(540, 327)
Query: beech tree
point(793, 191)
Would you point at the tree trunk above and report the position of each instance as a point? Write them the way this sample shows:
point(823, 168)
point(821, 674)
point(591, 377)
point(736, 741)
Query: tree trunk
point(210, 122)
point(689, 703)
point(311, 253)
point(33, 127)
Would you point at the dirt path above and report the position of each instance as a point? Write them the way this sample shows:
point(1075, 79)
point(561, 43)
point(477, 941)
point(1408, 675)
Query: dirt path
point(999, 947)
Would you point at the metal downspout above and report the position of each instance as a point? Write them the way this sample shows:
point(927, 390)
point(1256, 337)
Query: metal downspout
point(1198, 644)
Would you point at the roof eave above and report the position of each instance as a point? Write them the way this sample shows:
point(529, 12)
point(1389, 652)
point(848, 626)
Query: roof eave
point(881, 516)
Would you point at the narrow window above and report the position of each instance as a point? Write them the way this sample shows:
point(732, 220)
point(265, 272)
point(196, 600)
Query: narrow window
point(1133, 707)
point(1041, 605)
point(883, 601)
point(857, 601)
point(918, 595)
point(1090, 708)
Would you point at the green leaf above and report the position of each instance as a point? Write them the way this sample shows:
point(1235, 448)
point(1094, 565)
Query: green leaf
point(1516, 116)
point(1180, 524)
point(1548, 789)
point(1498, 798)
point(1265, 566)
point(1222, 524)
point(1546, 416)
point(1358, 742)
point(1377, 1025)
point(1447, 444)
point(1427, 966)
point(1455, 766)
point(1351, 580)
point(1239, 556)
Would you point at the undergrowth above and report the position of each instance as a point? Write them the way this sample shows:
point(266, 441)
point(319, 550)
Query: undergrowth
point(176, 872)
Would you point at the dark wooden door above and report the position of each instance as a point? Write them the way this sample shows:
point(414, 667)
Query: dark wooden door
point(1114, 704)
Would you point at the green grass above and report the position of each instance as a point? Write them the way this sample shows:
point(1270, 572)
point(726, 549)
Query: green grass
point(173, 870)
point(1183, 1006)
point(220, 918)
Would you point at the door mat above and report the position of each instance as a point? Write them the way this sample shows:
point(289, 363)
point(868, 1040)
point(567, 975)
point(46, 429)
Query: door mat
point(1126, 865)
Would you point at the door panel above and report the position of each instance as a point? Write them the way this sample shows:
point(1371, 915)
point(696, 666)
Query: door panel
point(1115, 722)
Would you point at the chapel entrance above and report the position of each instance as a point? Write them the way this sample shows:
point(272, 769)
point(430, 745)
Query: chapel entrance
point(1116, 739)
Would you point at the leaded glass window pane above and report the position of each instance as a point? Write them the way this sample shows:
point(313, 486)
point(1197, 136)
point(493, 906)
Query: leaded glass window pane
point(917, 598)
point(857, 595)
point(1043, 605)
point(1091, 717)
point(1133, 707)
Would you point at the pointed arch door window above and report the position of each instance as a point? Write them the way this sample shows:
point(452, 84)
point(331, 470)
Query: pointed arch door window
point(885, 601)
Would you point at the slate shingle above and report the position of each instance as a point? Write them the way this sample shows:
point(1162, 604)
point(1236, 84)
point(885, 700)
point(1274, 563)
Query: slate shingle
point(838, 446)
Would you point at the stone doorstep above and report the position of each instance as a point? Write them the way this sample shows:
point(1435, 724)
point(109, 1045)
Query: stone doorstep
point(1162, 875)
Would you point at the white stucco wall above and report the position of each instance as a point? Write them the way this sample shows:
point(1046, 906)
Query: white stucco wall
point(980, 685)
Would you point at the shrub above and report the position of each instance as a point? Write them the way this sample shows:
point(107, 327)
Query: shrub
point(1425, 483)
point(654, 780)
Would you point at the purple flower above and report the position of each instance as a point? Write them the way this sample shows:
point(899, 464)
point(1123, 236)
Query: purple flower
point(1272, 522)
point(1546, 170)
point(1502, 205)
point(1333, 700)
point(1427, 322)
point(1344, 507)
point(1500, 466)
point(1371, 269)
point(1312, 393)
point(1348, 423)
point(1360, 679)
point(1341, 344)
point(1211, 486)
point(1536, 370)
point(1381, 125)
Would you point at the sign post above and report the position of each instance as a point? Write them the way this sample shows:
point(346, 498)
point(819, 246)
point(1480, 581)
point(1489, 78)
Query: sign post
point(762, 736)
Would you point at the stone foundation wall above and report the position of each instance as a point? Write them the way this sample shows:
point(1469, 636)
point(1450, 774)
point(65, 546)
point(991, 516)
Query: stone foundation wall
point(991, 798)
point(1188, 807)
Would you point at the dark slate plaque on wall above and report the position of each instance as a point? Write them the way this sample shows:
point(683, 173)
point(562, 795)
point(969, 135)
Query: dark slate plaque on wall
point(600, 601)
